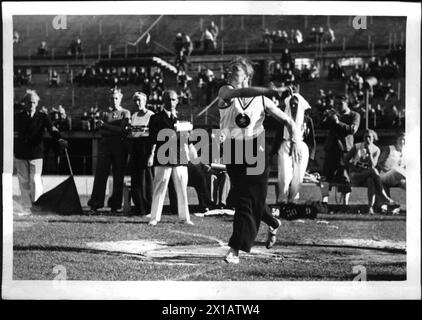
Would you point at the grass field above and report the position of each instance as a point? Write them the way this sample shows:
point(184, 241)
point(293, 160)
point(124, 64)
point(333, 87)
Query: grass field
point(127, 248)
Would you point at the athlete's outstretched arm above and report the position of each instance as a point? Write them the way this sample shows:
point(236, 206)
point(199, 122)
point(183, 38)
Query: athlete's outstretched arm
point(228, 92)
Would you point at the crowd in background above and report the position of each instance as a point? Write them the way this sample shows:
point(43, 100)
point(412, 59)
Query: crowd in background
point(296, 37)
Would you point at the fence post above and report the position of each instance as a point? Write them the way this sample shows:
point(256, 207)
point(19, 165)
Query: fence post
point(100, 28)
point(344, 45)
point(109, 51)
point(369, 42)
point(120, 27)
point(27, 30)
point(81, 29)
point(263, 21)
point(125, 49)
point(328, 21)
point(99, 51)
point(242, 23)
point(52, 54)
point(306, 22)
point(398, 90)
point(46, 29)
point(373, 48)
point(222, 46)
point(201, 24)
point(389, 40)
point(140, 26)
point(221, 23)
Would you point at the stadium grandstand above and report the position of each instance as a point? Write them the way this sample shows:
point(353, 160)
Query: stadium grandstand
point(320, 55)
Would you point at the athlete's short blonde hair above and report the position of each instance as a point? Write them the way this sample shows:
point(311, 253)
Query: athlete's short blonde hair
point(241, 62)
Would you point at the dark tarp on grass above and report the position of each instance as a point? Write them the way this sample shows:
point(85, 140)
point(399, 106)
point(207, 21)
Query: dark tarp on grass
point(63, 199)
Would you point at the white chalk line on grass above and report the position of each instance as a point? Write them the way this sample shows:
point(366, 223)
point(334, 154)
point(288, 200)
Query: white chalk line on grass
point(200, 235)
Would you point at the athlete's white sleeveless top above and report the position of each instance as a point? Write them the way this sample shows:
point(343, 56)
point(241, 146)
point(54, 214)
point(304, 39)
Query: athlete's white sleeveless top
point(141, 123)
point(254, 108)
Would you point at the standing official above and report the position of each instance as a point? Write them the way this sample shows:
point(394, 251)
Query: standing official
point(29, 127)
point(290, 174)
point(175, 165)
point(141, 175)
point(112, 153)
point(242, 112)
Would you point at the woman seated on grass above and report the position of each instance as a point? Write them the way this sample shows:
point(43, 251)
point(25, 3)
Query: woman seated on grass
point(362, 160)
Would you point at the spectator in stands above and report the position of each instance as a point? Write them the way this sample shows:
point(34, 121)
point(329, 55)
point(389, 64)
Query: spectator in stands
point(335, 71)
point(42, 49)
point(214, 31)
point(17, 78)
point(178, 43)
point(29, 127)
point(94, 116)
point(343, 125)
point(298, 36)
point(330, 36)
point(277, 73)
point(142, 176)
point(290, 78)
point(208, 40)
point(286, 59)
point(266, 37)
point(112, 153)
point(314, 71)
point(75, 48)
point(15, 37)
point(187, 44)
point(86, 124)
point(44, 110)
point(320, 34)
point(26, 78)
point(54, 79)
point(392, 164)
point(123, 77)
point(313, 34)
point(362, 160)
point(391, 117)
point(181, 61)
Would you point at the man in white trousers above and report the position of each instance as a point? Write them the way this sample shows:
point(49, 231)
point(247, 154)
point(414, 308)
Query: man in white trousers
point(166, 164)
point(29, 127)
point(290, 173)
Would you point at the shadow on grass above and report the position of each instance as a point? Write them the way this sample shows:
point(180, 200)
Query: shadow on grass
point(331, 246)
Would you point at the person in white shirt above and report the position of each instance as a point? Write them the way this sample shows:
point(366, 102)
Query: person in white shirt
point(290, 174)
point(242, 112)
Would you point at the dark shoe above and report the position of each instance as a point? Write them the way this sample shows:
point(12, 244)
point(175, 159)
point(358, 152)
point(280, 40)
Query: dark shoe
point(116, 212)
point(93, 212)
point(272, 238)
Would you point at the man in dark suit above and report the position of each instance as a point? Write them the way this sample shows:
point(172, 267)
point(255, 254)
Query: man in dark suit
point(29, 127)
point(343, 124)
point(167, 161)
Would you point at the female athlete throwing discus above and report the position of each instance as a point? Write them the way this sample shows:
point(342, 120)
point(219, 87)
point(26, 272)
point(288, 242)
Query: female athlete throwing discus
point(242, 113)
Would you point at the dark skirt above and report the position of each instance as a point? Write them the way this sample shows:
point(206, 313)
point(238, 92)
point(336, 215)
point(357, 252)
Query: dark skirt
point(142, 176)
